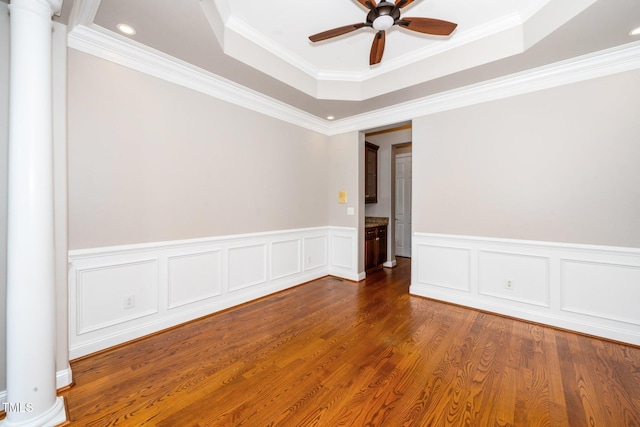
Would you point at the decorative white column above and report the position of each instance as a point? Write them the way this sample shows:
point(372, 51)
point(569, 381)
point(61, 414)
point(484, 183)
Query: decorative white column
point(31, 321)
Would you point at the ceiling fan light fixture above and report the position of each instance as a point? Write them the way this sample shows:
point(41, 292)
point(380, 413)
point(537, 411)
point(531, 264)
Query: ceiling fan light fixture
point(383, 22)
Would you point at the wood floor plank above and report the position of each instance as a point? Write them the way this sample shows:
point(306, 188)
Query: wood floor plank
point(557, 407)
point(339, 353)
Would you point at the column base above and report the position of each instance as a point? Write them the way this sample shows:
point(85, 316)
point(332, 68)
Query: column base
point(54, 417)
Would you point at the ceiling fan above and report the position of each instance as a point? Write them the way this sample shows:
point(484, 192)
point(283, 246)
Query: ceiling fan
point(383, 16)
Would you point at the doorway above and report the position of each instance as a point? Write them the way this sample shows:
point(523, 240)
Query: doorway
point(392, 141)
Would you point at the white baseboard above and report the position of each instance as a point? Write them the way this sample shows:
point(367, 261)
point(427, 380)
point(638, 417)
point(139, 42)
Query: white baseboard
point(64, 378)
point(390, 264)
point(170, 283)
point(584, 288)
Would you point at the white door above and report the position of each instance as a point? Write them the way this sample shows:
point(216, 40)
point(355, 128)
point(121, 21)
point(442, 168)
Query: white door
point(403, 205)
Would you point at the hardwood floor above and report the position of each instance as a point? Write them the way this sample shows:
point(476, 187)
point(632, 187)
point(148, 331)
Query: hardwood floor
point(338, 353)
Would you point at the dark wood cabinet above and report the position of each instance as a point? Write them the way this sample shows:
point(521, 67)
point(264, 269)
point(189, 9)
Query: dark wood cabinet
point(375, 247)
point(371, 173)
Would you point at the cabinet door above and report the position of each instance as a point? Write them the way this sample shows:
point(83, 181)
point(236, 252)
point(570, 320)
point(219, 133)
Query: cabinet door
point(371, 173)
point(382, 245)
point(370, 244)
point(375, 247)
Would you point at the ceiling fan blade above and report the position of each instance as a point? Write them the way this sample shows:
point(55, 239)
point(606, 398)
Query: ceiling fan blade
point(335, 32)
point(377, 48)
point(402, 3)
point(436, 27)
point(369, 4)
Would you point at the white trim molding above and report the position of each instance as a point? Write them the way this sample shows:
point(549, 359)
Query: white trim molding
point(64, 377)
point(584, 288)
point(117, 294)
point(599, 64)
point(94, 40)
point(343, 250)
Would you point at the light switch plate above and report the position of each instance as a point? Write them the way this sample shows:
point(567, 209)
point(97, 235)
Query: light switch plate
point(342, 197)
point(350, 211)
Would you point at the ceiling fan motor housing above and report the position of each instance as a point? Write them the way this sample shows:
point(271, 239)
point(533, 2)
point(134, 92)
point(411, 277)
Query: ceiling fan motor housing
point(383, 16)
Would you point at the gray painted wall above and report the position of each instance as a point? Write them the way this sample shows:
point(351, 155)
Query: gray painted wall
point(150, 161)
point(557, 165)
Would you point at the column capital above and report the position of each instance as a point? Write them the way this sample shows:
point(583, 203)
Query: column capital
point(54, 6)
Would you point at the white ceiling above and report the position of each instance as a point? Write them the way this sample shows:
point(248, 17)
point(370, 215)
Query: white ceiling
point(264, 46)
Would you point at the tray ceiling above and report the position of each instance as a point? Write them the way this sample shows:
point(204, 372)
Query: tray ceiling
point(264, 45)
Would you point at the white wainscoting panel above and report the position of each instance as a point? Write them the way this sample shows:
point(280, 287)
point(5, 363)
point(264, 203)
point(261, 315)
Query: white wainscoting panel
point(285, 258)
point(342, 247)
point(344, 253)
point(175, 282)
point(528, 275)
point(102, 291)
point(194, 277)
point(443, 266)
point(315, 252)
point(247, 266)
point(585, 288)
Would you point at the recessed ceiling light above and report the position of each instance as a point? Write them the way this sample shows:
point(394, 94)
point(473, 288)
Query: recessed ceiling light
point(126, 29)
point(635, 32)
point(330, 117)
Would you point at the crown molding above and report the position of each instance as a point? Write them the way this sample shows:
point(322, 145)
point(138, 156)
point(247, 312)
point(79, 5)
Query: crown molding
point(105, 44)
point(599, 64)
point(115, 48)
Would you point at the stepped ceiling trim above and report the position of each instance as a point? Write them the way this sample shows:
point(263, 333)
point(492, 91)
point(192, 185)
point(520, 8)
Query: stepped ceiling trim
point(274, 40)
point(94, 40)
point(306, 68)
